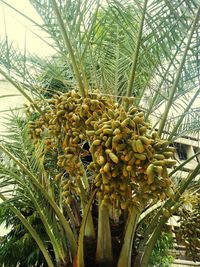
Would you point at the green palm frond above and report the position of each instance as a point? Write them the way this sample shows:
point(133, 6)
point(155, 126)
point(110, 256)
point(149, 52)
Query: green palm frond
point(17, 243)
point(191, 123)
point(165, 27)
point(20, 187)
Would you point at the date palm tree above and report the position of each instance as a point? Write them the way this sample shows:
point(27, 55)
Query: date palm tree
point(92, 156)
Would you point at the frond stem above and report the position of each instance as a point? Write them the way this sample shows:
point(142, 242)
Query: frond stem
point(136, 54)
point(69, 47)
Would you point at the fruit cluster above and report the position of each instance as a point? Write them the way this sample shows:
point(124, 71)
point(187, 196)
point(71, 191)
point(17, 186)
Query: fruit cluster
point(129, 164)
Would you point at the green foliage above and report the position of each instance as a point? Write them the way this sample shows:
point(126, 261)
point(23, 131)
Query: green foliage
point(17, 247)
point(28, 200)
point(160, 254)
point(189, 220)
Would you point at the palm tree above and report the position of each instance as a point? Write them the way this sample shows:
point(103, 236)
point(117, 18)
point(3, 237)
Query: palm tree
point(93, 157)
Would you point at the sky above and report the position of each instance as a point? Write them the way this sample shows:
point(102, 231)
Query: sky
point(20, 30)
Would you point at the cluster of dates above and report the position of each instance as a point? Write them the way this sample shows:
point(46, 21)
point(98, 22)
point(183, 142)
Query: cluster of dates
point(129, 165)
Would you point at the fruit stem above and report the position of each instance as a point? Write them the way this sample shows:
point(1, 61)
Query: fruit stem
point(89, 228)
point(126, 251)
point(104, 255)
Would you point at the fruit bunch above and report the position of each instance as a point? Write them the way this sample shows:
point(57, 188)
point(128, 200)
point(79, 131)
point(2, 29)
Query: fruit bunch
point(129, 164)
